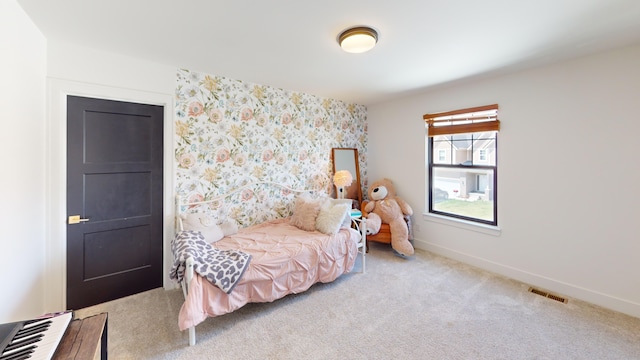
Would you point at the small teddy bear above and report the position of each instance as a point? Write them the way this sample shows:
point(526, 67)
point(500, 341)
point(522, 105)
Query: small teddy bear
point(385, 207)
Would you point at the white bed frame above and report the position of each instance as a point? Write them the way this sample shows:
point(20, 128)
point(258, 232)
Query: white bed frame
point(358, 222)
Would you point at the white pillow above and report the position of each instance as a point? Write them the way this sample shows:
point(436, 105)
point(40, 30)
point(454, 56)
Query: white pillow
point(206, 225)
point(346, 222)
point(331, 216)
point(229, 228)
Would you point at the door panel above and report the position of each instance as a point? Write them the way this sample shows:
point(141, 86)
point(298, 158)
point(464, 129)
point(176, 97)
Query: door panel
point(133, 133)
point(114, 182)
point(103, 255)
point(104, 194)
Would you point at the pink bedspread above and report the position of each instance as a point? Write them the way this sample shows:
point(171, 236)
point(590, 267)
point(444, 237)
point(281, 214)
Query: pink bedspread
point(285, 260)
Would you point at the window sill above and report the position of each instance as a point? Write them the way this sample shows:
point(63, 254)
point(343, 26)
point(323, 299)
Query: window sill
point(463, 224)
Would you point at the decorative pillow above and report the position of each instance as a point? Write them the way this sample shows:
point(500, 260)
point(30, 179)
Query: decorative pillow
point(331, 217)
point(229, 228)
point(346, 222)
point(206, 225)
point(305, 213)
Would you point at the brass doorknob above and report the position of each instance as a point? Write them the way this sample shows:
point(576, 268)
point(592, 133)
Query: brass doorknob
point(75, 219)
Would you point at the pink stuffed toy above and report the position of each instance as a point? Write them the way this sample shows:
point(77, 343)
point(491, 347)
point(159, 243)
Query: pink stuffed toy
point(385, 207)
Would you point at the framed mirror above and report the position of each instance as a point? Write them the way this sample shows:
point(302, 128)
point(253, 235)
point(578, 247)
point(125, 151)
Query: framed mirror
point(347, 159)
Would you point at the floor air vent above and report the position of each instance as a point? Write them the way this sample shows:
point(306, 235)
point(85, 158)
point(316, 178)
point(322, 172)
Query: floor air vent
point(548, 295)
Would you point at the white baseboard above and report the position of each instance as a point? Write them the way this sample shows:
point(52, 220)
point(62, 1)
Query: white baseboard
point(553, 285)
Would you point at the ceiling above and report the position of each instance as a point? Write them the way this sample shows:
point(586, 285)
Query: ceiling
point(291, 44)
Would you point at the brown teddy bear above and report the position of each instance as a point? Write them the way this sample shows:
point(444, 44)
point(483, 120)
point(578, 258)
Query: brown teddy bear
point(385, 207)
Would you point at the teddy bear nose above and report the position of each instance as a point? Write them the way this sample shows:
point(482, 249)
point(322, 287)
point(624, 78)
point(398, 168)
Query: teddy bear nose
point(375, 190)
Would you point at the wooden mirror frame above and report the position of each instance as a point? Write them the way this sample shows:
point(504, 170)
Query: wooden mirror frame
point(347, 159)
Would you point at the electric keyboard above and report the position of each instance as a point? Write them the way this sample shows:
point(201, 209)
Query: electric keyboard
point(33, 339)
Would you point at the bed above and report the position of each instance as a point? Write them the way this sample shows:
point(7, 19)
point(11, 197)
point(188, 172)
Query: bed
point(262, 262)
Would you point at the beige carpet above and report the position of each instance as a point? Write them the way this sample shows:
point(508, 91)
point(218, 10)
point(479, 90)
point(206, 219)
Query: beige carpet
point(428, 307)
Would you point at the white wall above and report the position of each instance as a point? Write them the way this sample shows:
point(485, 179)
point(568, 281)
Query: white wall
point(568, 175)
point(91, 66)
point(22, 155)
point(37, 76)
point(73, 70)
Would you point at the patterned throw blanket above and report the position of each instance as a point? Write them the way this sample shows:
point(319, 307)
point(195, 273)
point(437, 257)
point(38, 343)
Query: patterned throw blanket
point(223, 268)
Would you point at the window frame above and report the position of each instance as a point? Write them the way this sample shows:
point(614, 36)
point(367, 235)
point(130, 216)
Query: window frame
point(459, 126)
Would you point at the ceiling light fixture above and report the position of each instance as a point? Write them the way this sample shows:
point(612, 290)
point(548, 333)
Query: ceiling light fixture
point(358, 39)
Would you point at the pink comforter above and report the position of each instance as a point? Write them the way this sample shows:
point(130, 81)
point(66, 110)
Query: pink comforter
point(284, 260)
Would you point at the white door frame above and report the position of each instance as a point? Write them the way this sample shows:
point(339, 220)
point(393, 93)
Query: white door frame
point(56, 179)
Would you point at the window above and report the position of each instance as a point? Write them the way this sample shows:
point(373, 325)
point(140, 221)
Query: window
point(462, 164)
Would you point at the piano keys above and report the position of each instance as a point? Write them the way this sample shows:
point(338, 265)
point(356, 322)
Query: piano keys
point(33, 339)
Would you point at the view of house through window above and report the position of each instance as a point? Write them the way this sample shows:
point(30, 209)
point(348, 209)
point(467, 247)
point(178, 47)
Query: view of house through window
point(462, 164)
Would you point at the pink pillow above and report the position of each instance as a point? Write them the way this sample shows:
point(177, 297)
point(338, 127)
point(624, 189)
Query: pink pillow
point(305, 214)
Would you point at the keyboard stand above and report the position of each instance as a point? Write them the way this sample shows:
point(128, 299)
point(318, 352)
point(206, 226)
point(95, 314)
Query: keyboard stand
point(84, 339)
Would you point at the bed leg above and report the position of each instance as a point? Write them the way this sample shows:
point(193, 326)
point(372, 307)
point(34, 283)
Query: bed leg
point(364, 243)
point(189, 273)
point(192, 336)
point(362, 248)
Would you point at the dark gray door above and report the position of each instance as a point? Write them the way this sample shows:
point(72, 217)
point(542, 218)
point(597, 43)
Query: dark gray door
point(114, 190)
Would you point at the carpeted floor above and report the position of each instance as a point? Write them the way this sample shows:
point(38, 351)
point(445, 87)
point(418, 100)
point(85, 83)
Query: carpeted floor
point(427, 307)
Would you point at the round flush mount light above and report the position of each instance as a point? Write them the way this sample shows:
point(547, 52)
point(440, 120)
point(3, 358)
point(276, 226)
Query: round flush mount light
point(358, 39)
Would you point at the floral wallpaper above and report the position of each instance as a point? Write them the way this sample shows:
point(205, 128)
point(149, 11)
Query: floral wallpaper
point(230, 133)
